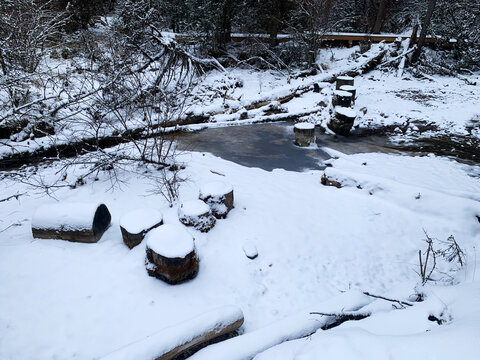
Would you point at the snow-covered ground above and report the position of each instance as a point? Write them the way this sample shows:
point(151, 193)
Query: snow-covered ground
point(71, 300)
point(61, 300)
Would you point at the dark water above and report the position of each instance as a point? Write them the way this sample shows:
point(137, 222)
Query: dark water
point(270, 146)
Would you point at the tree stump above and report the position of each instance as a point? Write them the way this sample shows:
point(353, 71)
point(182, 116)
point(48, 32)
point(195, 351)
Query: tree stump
point(351, 89)
point(77, 222)
point(342, 98)
point(342, 121)
point(219, 196)
point(136, 224)
point(304, 134)
point(171, 254)
point(197, 214)
point(344, 80)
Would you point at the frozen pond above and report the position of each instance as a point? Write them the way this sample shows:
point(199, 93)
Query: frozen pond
point(270, 146)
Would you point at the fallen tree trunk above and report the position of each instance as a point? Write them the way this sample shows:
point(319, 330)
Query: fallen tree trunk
point(247, 346)
point(176, 340)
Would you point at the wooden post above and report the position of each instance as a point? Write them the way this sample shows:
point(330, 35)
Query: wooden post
point(304, 134)
point(197, 214)
point(137, 223)
point(171, 254)
point(342, 98)
point(219, 196)
point(342, 121)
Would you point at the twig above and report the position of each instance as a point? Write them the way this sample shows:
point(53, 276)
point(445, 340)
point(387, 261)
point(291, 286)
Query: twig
point(403, 303)
point(16, 196)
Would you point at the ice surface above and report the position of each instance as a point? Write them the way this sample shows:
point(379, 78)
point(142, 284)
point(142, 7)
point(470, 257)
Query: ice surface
point(170, 240)
point(139, 220)
point(67, 216)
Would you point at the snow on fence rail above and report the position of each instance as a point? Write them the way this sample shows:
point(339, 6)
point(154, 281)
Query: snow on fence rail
point(176, 340)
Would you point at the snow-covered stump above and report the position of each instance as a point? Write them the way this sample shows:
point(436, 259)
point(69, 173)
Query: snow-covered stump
point(342, 98)
point(219, 196)
point(77, 222)
point(197, 214)
point(351, 89)
point(171, 254)
point(180, 341)
point(304, 134)
point(344, 80)
point(342, 121)
point(137, 223)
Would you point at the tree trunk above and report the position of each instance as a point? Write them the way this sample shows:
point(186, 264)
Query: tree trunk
point(380, 19)
point(224, 27)
point(423, 34)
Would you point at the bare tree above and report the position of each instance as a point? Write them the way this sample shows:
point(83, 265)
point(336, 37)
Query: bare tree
point(423, 33)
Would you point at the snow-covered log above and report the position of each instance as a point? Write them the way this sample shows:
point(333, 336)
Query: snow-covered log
point(351, 89)
point(181, 339)
point(342, 98)
point(137, 223)
point(304, 133)
point(219, 196)
point(197, 214)
point(342, 121)
point(77, 222)
point(246, 346)
point(171, 254)
point(344, 80)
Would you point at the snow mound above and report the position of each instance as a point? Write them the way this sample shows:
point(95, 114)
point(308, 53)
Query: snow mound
point(139, 220)
point(170, 240)
point(345, 78)
point(67, 216)
point(346, 111)
point(215, 189)
point(347, 88)
point(342, 93)
point(193, 208)
point(304, 126)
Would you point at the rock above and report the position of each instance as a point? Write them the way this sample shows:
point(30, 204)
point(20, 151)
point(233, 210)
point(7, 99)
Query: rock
point(77, 222)
point(171, 254)
point(304, 134)
point(325, 181)
point(344, 80)
point(342, 98)
point(136, 224)
point(342, 121)
point(219, 196)
point(250, 250)
point(197, 214)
